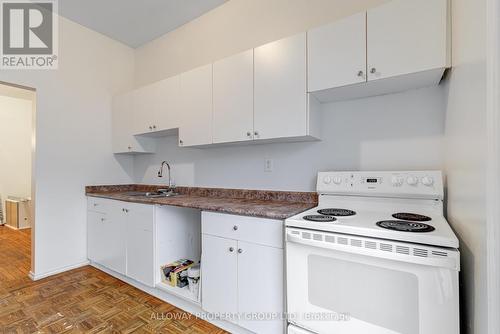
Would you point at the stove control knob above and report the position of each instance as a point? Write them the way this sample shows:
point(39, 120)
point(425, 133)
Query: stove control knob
point(327, 180)
point(427, 181)
point(397, 181)
point(337, 180)
point(412, 181)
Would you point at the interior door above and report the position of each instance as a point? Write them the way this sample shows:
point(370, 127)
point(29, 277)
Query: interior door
point(337, 53)
point(219, 278)
point(233, 98)
point(280, 89)
point(260, 287)
point(407, 37)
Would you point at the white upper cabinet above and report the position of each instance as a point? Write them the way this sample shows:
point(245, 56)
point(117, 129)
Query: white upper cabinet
point(122, 127)
point(143, 110)
point(196, 107)
point(281, 108)
point(407, 36)
point(233, 98)
point(405, 42)
point(337, 53)
point(156, 107)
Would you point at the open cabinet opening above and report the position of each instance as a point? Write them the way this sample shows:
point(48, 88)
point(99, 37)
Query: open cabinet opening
point(178, 238)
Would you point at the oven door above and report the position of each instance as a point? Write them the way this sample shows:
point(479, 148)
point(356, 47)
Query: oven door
point(349, 285)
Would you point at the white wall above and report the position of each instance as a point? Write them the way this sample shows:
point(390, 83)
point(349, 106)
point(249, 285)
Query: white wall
point(441, 127)
point(465, 149)
point(235, 26)
point(16, 141)
point(398, 131)
point(390, 132)
point(73, 140)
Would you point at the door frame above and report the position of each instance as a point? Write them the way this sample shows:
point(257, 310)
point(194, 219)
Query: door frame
point(33, 170)
point(493, 164)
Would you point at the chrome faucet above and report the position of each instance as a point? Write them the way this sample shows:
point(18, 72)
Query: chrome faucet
point(160, 173)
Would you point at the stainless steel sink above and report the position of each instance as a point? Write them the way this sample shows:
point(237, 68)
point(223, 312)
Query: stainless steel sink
point(151, 194)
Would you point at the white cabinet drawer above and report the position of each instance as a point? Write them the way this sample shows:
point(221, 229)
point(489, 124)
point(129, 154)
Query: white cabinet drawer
point(262, 231)
point(96, 204)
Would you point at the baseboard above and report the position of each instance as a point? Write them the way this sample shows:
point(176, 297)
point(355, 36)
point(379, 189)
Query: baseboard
point(11, 227)
point(36, 277)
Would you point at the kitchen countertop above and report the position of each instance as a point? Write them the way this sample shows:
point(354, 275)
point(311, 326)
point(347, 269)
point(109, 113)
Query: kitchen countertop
point(256, 203)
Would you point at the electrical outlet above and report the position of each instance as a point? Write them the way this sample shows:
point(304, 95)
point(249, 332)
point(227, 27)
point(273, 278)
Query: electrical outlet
point(268, 165)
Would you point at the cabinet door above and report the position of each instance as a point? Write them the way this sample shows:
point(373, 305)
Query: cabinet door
point(156, 106)
point(140, 256)
point(96, 244)
point(196, 101)
point(219, 276)
point(167, 101)
point(140, 242)
point(115, 238)
point(337, 53)
point(144, 106)
point(122, 127)
point(280, 89)
point(406, 36)
point(233, 98)
point(260, 286)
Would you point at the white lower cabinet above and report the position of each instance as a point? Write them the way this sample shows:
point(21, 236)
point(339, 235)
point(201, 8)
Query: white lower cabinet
point(260, 287)
point(220, 274)
point(140, 242)
point(120, 238)
point(106, 239)
point(243, 277)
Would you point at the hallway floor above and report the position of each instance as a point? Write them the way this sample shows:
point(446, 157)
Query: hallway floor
point(84, 300)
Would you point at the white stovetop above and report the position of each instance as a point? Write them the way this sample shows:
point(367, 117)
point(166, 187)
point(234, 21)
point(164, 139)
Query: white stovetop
point(370, 210)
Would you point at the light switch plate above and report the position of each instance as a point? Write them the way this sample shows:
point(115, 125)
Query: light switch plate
point(268, 165)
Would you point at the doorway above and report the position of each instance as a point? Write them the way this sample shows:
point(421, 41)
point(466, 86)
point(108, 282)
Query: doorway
point(17, 149)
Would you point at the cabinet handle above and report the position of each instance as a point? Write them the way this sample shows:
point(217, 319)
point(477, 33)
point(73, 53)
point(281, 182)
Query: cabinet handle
point(103, 219)
point(235, 228)
point(154, 127)
point(231, 249)
point(373, 70)
point(256, 133)
point(240, 251)
point(130, 147)
point(249, 134)
point(181, 142)
point(95, 204)
point(361, 74)
point(150, 127)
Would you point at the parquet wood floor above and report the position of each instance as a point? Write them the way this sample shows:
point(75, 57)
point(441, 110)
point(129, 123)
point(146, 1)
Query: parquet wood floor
point(84, 300)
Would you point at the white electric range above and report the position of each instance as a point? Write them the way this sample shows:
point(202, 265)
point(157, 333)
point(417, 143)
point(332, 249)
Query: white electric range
point(376, 256)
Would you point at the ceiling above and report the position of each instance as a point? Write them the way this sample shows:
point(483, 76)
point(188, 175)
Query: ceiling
point(134, 22)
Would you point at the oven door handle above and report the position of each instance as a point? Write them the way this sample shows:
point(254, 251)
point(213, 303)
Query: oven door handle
point(444, 262)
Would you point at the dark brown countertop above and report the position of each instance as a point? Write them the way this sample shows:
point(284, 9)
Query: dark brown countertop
point(256, 203)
